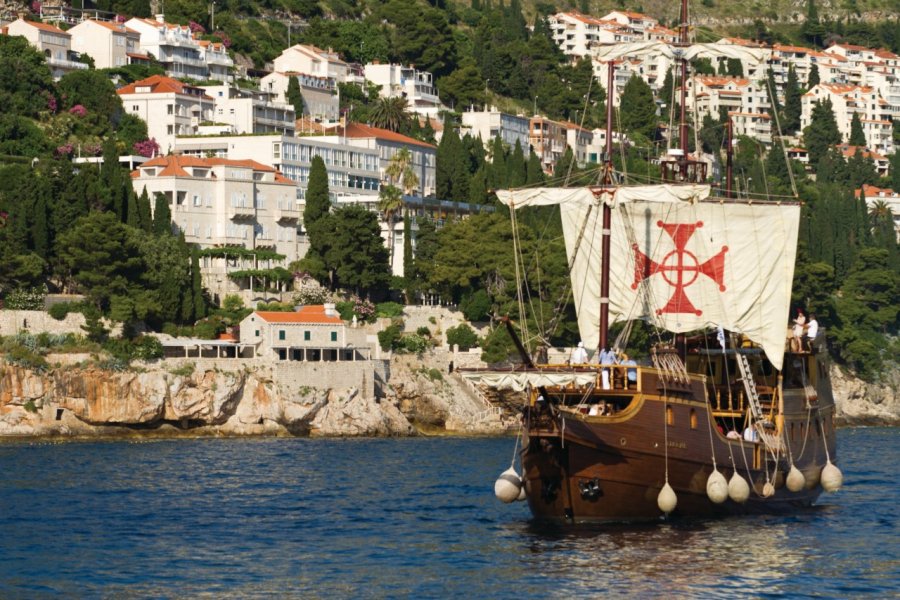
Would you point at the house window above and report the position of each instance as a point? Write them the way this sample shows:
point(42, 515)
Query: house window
point(334, 336)
point(306, 336)
point(281, 334)
point(256, 333)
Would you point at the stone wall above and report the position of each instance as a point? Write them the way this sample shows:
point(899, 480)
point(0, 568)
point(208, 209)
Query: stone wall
point(38, 321)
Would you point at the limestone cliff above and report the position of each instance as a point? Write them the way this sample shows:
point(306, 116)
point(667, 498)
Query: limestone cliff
point(861, 403)
point(86, 402)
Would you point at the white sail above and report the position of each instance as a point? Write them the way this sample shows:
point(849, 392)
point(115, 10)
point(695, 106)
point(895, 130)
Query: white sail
point(681, 264)
point(521, 381)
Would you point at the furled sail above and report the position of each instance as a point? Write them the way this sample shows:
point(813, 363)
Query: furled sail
point(749, 54)
point(522, 380)
point(678, 262)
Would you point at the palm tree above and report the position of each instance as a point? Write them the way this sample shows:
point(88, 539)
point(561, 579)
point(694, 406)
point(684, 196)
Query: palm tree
point(400, 170)
point(389, 113)
point(390, 201)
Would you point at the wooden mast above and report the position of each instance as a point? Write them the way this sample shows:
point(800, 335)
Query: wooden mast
point(729, 156)
point(684, 70)
point(607, 213)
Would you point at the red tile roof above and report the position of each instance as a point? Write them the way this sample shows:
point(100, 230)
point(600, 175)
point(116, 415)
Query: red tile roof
point(159, 84)
point(174, 164)
point(358, 130)
point(314, 314)
point(46, 27)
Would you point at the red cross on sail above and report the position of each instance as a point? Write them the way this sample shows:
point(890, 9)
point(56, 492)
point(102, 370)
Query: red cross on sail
point(679, 268)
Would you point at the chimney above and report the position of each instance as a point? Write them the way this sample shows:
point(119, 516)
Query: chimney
point(160, 18)
point(330, 310)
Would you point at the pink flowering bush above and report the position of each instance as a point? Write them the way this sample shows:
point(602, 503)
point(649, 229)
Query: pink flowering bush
point(78, 110)
point(92, 149)
point(52, 105)
point(223, 37)
point(36, 7)
point(147, 148)
point(365, 310)
point(64, 150)
point(196, 27)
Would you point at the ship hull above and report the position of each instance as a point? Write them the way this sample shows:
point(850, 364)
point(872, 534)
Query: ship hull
point(581, 468)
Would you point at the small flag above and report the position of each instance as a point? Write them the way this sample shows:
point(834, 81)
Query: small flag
point(721, 336)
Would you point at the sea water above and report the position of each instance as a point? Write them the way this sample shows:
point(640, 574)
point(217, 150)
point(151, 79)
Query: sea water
point(303, 518)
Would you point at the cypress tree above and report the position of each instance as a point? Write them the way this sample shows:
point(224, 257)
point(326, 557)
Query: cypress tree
point(478, 187)
point(813, 79)
point(895, 169)
point(315, 214)
point(40, 235)
point(132, 215)
point(775, 108)
point(822, 131)
point(637, 110)
point(496, 175)
point(162, 216)
point(516, 167)
point(534, 171)
point(857, 135)
point(197, 285)
point(447, 156)
point(294, 96)
point(792, 105)
point(409, 267)
point(144, 211)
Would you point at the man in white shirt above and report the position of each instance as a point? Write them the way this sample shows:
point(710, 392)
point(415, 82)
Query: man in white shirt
point(579, 355)
point(812, 330)
point(607, 357)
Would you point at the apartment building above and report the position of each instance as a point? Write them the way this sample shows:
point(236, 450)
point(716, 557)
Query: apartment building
point(168, 106)
point(182, 56)
point(109, 44)
point(548, 141)
point(580, 140)
point(576, 33)
point(250, 111)
point(488, 124)
point(320, 98)
point(307, 59)
point(754, 125)
point(881, 162)
point(54, 43)
point(874, 112)
point(219, 202)
point(407, 82)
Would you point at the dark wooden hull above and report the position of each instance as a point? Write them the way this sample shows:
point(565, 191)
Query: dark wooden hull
point(580, 468)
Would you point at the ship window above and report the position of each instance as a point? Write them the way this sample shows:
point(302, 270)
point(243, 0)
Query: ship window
point(670, 416)
point(693, 419)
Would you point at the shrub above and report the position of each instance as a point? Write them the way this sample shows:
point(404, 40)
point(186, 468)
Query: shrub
point(209, 328)
point(147, 347)
point(477, 306)
point(345, 309)
point(432, 320)
point(185, 370)
point(311, 295)
point(29, 406)
point(389, 309)
point(463, 335)
point(25, 299)
point(413, 344)
point(23, 356)
point(389, 336)
point(59, 310)
point(365, 310)
point(423, 331)
point(276, 306)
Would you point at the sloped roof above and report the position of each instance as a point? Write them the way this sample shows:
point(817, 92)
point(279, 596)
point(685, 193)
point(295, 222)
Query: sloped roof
point(313, 314)
point(46, 27)
point(116, 27)
point(159, 84)
point(175, 165)
point(358, 130)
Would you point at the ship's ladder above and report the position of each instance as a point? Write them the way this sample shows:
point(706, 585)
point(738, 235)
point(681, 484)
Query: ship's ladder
point(756, 410)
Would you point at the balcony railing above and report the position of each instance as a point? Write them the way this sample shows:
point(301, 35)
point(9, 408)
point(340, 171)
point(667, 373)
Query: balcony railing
point(66, 64)
point(287, 214)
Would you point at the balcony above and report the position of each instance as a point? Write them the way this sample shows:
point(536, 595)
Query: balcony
point(241, 212)
point(287, 214)
point(214, 58)
point(62, 63)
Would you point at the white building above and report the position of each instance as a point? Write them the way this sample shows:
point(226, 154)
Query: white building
point(488, 124)
point(754, 125)
point(874, 112)
point(109, 44)
point(226, 203)
point(54, 43)
point(580, 140)
point(307, 59)
point(175, 47)
point(320, 99)
point(406, 82)
point(168, 106)
point(219, 63)
point(250, 111)
point(873, 195)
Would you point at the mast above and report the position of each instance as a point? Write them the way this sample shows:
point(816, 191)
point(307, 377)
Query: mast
point(729, 155)
point(607, 213)
point(684, 70)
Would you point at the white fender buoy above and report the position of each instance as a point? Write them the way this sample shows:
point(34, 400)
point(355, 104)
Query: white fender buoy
point(738, 488)
point(768, 490)
point(717, 487)
point(795, 480)
point(832, 478)
point(508, 486)
point(521, 495)
point(667, 500)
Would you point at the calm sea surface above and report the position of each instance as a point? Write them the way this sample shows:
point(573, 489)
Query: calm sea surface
point(402, 517)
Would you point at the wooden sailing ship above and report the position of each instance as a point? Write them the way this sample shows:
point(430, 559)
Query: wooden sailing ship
point(727, 416)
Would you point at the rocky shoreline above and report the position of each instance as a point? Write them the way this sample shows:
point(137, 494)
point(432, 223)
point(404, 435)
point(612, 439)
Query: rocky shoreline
point(162, 401)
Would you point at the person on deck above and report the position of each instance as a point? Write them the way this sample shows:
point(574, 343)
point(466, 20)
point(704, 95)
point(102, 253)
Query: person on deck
point(631, 373)
point(579, 355)
point(812, 330)
point(799, 326)
point(607, 357)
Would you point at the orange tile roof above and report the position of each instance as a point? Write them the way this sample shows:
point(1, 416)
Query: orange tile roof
point(711, 80)
point(159, 84)
point(117, 27)
point(174, 164)
point(46, 27)
point(873, 191)
point(358, 130)
point(313, 314)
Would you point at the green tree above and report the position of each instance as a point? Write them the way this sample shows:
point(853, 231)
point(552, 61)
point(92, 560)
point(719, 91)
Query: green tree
point(813, 79)
point(26, 85)
point(143, 205)
point(812, 29)
point(390, 113)
point(197, 285)
point(94, 91)
point(401, 171)
point(857, 135)
point(822, 131)
point(463, 87)
point(792, 104)
point(99, 254)
point(637, 109)
point(315, 213)
point(294, 96)
point(390, 203)
point(162, 215)
point(356, 254)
